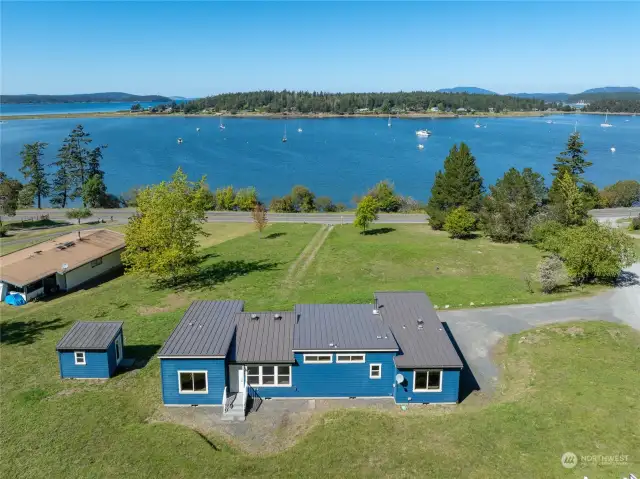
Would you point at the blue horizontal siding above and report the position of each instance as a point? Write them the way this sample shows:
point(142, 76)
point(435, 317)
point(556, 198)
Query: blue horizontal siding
point(449, 393)
point(216, 375)
point(336, 379)
point(97, 365)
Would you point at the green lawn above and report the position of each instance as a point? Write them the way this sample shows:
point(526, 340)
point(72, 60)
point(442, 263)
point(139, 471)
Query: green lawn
point(562, 392)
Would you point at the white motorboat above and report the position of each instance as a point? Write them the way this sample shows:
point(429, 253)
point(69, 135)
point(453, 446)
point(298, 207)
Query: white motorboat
point(420, 146)
point(613, 149)
point(222, 127)
point(284, 138)
point(389, 122)
point(198, 130)
point(423, 133)
point(477, 124)
point(179, 141)
point(299, 130)
point(549, 122)
point(606, 123)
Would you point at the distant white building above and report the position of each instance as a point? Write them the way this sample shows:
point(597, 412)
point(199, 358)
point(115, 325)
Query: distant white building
point(435, 108)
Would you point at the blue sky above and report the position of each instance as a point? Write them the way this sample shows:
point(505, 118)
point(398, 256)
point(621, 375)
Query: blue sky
point(194, 49)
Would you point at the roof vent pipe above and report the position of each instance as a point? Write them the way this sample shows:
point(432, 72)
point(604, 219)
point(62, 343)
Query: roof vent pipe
point(375, 306)
point(420, 323)
point(277, 317)
point(254, 316)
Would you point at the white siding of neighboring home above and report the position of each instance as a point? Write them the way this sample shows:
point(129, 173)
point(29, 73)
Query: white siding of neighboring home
point(85, 272)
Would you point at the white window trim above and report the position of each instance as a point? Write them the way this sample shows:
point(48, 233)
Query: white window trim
point(276, 374)
point(359, 361)
point(206, 381)
point(439, 390)
point(371, 376)
point(307, 361)
point(84, 358)
point(119, 342)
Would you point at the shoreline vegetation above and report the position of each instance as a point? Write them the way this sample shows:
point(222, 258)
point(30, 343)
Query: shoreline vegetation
point(413, 115)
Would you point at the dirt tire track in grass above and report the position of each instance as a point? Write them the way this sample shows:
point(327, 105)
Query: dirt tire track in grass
point(302, 263)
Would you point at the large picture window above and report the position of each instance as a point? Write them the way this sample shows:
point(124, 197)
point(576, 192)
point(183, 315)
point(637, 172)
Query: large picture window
point(270, 376)
point(193, 382)
point(427, 381)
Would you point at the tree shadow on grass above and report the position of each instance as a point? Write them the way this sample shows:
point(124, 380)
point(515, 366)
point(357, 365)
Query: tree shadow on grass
point(378, 231)
point(626, 279)
point(468, 382)
point(27, 332)
point(216, 273)
point(274, 235)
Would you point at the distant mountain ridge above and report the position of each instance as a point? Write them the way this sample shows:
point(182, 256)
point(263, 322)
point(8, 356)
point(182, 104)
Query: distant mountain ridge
point(602, 93)
point(467, 89)
point(105, 97)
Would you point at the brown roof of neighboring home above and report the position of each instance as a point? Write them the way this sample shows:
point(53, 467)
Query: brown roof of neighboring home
point(44, 259)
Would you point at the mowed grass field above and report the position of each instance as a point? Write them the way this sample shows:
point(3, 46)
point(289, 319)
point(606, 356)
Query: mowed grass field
point(563, 390)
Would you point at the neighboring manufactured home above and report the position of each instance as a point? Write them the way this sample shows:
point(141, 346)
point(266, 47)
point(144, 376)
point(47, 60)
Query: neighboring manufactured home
point(397, 348)
point(60, 264)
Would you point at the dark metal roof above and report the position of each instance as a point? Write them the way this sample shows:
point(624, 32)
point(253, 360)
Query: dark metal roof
point(345, 326)
point(265, 339)
point(206, 329)
point(421, 348)
point(94, 335)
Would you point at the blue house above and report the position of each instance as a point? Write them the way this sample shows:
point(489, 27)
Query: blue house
point(91, 349)
point(397, 348)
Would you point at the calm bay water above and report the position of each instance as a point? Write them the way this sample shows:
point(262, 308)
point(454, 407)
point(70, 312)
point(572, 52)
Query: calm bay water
point(334, 157)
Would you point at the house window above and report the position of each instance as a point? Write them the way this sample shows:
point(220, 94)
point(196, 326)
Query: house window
point(96, 262)
point(318, 358)
point(427, 381)
point(193, 382)
point(271, 376)
point(349, 358)
point(375, 371)
point(80, 358)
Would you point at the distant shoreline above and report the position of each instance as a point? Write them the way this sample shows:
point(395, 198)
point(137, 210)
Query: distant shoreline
point(127, 114)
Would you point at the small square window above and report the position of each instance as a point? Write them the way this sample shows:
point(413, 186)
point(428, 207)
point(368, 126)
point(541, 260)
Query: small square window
point(80, 358)
point(375, 371)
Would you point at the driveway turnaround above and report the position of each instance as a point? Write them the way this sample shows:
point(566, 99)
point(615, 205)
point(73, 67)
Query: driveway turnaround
point(477, 331)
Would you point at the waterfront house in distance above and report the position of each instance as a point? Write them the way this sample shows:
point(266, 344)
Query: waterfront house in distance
point(60, 264)
point(397, 348)
point(91, 350)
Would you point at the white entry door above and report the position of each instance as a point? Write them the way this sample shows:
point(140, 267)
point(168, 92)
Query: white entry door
point(236, 378)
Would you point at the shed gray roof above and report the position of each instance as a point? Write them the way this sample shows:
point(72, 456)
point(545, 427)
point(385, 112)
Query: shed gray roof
point(421, 348)
point(206, 329)
point(265, 339)
point(346, 326)
point(90, 335)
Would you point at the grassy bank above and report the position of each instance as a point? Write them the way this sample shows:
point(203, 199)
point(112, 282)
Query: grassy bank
point(548, 404)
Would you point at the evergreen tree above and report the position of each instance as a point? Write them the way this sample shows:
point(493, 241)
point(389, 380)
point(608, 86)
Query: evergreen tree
point(573, 158)
point(33, 169)
point(62, 181)
point(511, 204)
point(569, 206)
point(459, 185)
point(77, 158)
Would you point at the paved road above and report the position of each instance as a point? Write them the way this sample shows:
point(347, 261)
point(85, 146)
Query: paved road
point(121, 216)
point(477, 331)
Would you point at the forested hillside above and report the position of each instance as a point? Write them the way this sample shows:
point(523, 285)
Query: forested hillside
point(105, 97)
point(348, 103)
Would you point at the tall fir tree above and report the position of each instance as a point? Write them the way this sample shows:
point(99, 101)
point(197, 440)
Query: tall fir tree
point(460, 184)
point(62, 181)
point(78, 159)
point(573, 158)
point(33, 170)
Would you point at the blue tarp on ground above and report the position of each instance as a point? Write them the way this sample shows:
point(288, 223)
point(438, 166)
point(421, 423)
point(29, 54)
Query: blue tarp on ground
point(15, 300)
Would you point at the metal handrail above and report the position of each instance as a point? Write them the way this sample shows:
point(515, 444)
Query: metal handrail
point(224, 400)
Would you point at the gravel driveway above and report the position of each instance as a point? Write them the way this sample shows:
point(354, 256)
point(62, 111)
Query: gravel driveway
point(477, 331)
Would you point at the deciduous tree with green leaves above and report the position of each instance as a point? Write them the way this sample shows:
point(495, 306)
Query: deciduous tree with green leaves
point(460, 223)
point(225, 198)
point(460, 184)
point(79, 214)
point(568, 205)
point(384, 194)
point(33, 169)
point(9, 194)
point(162, 238)
point(303, 199)
point(259, 216)
point(366, 213)
point(246, 199)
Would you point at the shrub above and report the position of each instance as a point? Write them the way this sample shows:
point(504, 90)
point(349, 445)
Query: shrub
point(246, 199)
point(225, 198)
point(4, 229)
point(437, 219)
point(635, 224)
point(460, 223)
point(282, 205)
point(551, 273)
point(384, 194)
point(324, 204)
point(546, 233)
